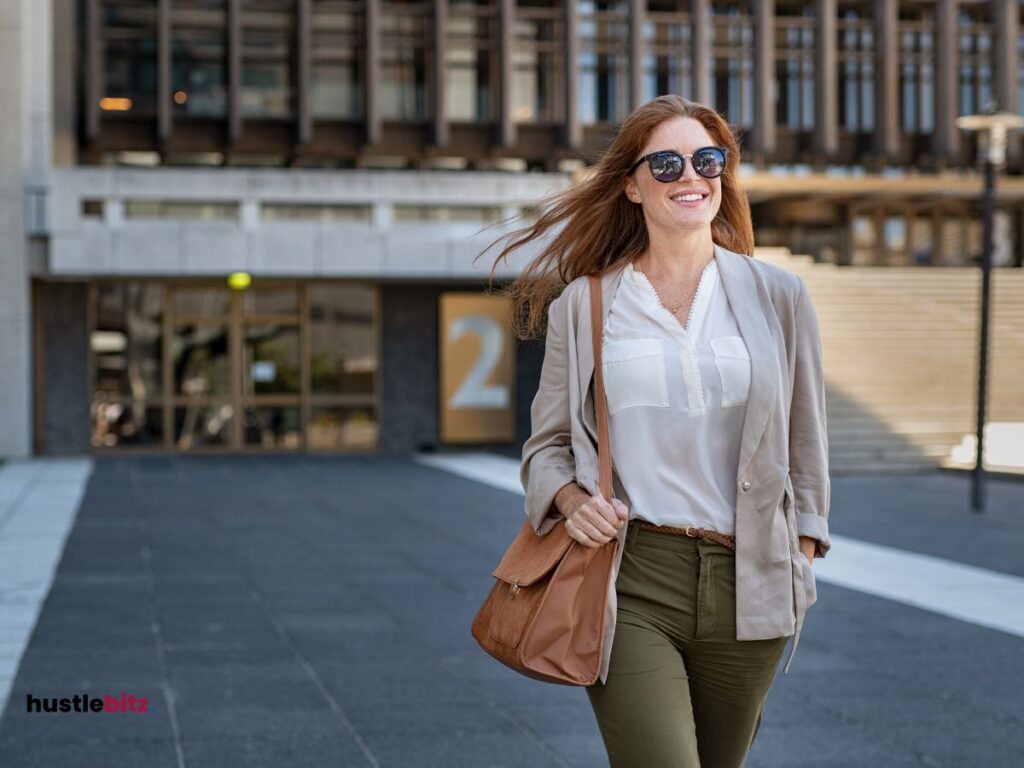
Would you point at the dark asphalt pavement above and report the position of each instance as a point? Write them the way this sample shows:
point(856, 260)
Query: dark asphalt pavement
point(303, 611)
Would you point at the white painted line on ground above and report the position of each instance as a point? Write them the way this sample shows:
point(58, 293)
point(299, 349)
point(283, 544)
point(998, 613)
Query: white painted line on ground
point(39, 500)
point(964, 592)
point(486, 468)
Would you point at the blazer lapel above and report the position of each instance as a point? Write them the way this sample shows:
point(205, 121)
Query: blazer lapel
point(737, 279)
point(745, 301)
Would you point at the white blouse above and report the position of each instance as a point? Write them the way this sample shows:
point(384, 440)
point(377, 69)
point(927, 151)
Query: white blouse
point(676, 402)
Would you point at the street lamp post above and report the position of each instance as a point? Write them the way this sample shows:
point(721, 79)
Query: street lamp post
point(992, 128)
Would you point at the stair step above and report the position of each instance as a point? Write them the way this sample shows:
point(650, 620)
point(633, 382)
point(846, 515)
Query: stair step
point(900, 348)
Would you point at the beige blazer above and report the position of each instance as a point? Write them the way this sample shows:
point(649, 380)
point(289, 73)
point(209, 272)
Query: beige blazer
point(783, 488)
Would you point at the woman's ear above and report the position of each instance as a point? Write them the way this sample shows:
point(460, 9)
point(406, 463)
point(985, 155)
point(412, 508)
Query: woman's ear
point(631, 191)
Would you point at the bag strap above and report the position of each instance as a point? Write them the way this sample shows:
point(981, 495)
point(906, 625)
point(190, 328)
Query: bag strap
point(604, 452)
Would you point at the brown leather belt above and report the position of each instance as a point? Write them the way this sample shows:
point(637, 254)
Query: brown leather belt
point(691, 531)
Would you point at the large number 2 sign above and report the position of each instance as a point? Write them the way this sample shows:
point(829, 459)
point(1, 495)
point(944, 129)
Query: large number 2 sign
point(473, 393)
point(477, 368)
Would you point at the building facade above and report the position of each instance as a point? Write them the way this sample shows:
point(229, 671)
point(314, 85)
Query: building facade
point(352, 158)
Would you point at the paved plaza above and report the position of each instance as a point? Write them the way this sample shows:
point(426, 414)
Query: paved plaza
point(315, 611)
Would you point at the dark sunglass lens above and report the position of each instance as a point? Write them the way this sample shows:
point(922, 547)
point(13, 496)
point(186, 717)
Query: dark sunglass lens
point(709, 162)
point(667, 166)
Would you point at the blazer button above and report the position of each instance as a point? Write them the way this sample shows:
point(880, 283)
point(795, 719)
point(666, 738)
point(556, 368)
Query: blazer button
point(746, 485)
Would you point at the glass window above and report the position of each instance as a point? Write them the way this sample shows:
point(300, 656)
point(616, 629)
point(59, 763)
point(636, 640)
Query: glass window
point(314, 212)
point(404, 31)
point(201, 360)
point(271, 301)
point(129, 51)
point(200, 301)
point(270, 363)
point(865, 238)
point(470, 61)
point(337, 77)
point(794, 67)
point(894, 233)
point(1020, 74)
point(917, 74)
point(537, 62)
point(169, 209)
point(127, 341)
point(483, 213)
point(196, 426)
point(272, 426)
point(732, 75)
point(668, 60)
point(198, 63)
point(975, 59)
point(953, 237)
point(343, 428)
point(603, 91)
point(230, 356)
point(922, 246)
point(116, 423)
point(343, 351)
point(268, 33)
point(855, 60)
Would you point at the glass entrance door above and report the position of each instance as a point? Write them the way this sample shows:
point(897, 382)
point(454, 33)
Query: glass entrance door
point(234, 367)
point(195, 366)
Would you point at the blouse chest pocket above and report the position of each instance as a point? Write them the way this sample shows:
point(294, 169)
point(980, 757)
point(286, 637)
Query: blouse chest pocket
point(732, 358)
point(634, 374)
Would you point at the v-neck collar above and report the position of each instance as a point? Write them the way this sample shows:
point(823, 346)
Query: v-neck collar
point(698, 307)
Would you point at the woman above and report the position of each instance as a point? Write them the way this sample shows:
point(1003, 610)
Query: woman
point(713, 378)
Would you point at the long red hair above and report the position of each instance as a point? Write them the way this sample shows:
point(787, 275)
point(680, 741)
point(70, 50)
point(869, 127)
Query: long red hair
point(602, 226)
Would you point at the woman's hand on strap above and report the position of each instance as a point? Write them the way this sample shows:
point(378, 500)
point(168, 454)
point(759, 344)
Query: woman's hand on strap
point(593, 521)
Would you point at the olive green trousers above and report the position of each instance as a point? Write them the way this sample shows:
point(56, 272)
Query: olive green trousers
point(682, 691)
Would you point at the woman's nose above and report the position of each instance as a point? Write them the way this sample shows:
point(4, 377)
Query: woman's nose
point(688, 171)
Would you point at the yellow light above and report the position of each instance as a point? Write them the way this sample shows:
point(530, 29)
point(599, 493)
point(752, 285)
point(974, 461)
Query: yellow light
point(115, 103)
point(239, 281)
point(180, 97)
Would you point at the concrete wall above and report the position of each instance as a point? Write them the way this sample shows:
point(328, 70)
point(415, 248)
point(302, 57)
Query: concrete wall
point(15, 390)
point(63, 383)
point(112, 244)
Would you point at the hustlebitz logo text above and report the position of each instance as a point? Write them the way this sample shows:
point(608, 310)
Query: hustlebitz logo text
point(125, 703)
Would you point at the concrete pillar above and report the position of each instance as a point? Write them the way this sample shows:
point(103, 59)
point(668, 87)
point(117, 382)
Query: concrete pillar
point(234, 70)
point(573, 130)
point(303, 76)
point(764, 74)
point(507, 30)
point(66, 66)
point(372, 78)
point(24, 60)
point(887, 105)
point(947, 67)
point(163, 69)
point(637, 13)
point(826, 104)
point(700, 20)
point(436, 84)
point(1006, 18)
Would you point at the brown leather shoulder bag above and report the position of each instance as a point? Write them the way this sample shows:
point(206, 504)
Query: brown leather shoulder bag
point(545, 615)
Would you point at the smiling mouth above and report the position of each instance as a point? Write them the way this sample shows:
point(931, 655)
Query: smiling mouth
point(690, 197)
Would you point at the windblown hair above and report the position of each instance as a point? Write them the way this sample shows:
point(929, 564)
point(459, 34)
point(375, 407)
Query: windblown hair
point(602, 226)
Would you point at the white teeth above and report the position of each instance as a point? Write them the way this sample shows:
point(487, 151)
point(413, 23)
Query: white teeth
point(689, 198)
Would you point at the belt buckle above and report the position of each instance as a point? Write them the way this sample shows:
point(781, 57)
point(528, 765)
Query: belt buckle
point(692, 532)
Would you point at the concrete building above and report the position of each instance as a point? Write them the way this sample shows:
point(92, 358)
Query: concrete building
point(346, 155)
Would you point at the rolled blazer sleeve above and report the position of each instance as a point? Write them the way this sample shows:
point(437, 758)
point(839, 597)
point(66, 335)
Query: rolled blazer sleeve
point(548, 462)
point(808, 430)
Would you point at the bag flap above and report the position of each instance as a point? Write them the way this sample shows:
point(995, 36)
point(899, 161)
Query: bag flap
point(530, 557)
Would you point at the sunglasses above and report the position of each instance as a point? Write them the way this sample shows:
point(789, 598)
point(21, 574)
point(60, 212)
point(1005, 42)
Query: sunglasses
point(668, 165)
